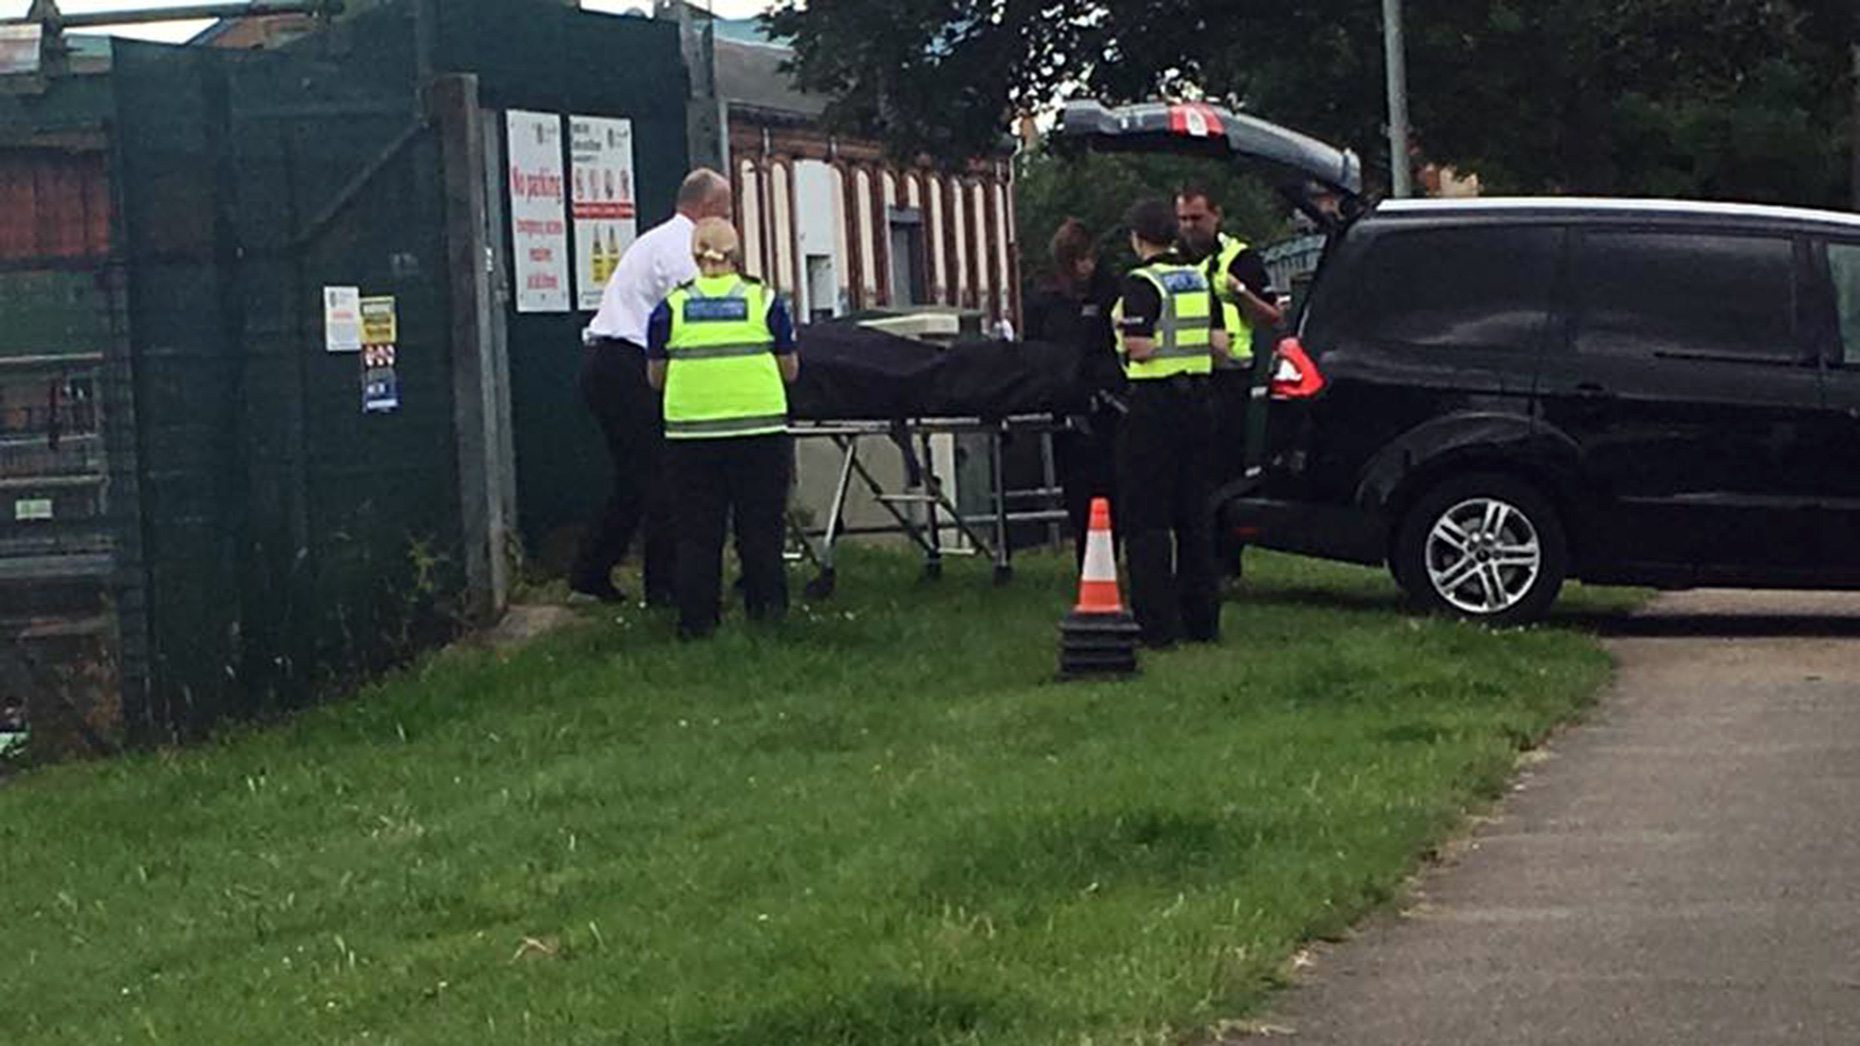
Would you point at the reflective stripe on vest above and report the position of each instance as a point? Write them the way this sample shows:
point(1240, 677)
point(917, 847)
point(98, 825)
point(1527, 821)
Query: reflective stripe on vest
point(1183, 331)
point(1239, 331)
point(728, 426)
point(722, 378)
point(718, 352)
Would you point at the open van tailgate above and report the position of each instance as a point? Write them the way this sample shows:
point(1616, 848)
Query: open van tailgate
point(1291, 158)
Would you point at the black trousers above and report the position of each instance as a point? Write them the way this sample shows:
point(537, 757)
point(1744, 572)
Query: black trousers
point(1086, 461)
point(614, 386)
point(713, 481)
point(1164, 450)
point(1233, 402)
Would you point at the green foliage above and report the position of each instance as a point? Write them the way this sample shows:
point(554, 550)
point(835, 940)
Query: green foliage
point(1718, 98)
point(1098, 188)
point(880, 823)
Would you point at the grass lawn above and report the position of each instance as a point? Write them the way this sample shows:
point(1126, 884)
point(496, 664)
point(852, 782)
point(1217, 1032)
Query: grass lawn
point(879, 824)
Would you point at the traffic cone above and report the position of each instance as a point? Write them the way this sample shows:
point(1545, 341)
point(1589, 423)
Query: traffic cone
point(1099, 637)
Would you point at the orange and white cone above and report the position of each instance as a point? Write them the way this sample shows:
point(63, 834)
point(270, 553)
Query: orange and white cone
point(1099, 637)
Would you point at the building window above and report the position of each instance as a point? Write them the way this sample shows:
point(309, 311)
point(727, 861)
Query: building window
point(907, 257)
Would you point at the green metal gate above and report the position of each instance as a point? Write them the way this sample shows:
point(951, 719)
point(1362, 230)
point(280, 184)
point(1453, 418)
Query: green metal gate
point(198, 519)
point(558, 60)
point(68, 611)
point(292, 540)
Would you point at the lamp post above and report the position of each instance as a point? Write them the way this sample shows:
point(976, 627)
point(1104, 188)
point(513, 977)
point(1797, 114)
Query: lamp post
point(1397, 66)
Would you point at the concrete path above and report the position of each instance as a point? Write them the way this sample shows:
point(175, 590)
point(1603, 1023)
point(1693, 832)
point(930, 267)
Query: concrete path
point(1683, 868)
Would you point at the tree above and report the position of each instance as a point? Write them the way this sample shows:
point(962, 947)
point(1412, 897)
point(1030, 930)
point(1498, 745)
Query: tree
point(1097, 189)
point(942, 76)
point(1723, 98)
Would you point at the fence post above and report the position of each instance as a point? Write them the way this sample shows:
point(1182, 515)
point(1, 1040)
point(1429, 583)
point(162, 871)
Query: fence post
point(480, 372)
point(1854, 142)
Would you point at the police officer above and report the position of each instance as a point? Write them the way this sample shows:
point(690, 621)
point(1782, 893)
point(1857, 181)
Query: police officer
point(1251, 315)
point(721, 348)
point(1169, 332)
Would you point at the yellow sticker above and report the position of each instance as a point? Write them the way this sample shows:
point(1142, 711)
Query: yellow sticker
point(380, 324)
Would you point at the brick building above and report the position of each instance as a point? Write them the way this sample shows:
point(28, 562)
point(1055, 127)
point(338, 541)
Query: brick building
point(841, 226)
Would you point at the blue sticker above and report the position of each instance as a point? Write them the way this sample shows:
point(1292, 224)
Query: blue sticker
point(1184, 280)
point(380, 390)
point(716, 310)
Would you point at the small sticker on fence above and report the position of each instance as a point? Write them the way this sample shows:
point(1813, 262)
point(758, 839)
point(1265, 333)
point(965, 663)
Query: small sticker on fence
point(380, 322)
point(32, 510)
point(380, 390)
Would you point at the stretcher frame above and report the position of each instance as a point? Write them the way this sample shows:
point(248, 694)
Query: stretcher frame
point(923, 489)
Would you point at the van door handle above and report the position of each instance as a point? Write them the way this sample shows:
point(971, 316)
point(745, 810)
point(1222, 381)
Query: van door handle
point(1593, 391)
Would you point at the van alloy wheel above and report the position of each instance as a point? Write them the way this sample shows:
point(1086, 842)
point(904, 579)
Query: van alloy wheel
point(1483, 546)
point(1483, 556)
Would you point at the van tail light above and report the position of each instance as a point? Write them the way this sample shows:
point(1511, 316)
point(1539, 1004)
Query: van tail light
point(1294, 375)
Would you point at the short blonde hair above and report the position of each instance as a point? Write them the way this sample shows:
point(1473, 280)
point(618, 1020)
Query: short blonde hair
point(715, 241)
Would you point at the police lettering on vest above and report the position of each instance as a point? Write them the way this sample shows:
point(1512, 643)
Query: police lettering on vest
point(1183, 330)
point(722, 378)
point(1239, 331)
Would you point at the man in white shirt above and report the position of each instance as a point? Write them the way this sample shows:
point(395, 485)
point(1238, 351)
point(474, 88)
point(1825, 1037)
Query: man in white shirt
point(613, 384)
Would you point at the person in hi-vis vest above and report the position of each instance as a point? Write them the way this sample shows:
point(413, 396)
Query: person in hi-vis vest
point(721, 348)
point(1169, 332)
point(1250, 310)
point(613, 384)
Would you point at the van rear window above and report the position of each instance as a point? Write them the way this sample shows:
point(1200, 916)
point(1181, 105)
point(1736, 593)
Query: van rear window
point(1478, 287)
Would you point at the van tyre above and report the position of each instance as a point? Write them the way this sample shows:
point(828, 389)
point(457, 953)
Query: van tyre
point(1484, 547)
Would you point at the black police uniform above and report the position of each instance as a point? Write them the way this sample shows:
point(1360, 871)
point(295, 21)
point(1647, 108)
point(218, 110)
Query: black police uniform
point(1165, 462)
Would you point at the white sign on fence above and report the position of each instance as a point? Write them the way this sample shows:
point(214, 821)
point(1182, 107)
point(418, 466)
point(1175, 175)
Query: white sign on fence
point(606, 216)
point(538, 212)
point(342, 319)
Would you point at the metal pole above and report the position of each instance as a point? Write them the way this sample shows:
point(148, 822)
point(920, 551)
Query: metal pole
point(193, 12)
point(1398, 98)
point(425, 40)
point(1856, 129)
point(476, 387)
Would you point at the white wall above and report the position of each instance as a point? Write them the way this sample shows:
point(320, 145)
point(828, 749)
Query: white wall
point(749, 217)
point(868, 263)
point(781, 192)
point(940, 278)
point(817, 224)
point(1004, 231)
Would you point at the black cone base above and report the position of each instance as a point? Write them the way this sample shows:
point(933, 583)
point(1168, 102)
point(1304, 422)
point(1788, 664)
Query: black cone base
point(1097, 645)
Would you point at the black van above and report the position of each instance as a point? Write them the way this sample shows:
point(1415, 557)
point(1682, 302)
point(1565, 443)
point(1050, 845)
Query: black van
point(1493, 395)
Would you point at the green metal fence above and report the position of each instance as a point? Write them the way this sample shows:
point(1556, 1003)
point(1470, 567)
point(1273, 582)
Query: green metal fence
point(571, 63)
point(207, 521)
point(287, 535)
point(70, 603)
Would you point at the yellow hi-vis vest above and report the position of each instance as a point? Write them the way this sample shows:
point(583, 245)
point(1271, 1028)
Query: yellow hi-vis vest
point(1239, 331)
point(1183, 331)
point(721, 376)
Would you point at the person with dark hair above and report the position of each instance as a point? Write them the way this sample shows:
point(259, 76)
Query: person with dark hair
point(1073, 307)
point(1251, 314)
point(1169, 333)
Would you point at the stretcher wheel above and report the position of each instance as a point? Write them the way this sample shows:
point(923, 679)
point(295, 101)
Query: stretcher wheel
point(1004, 574)
point(933, 570)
